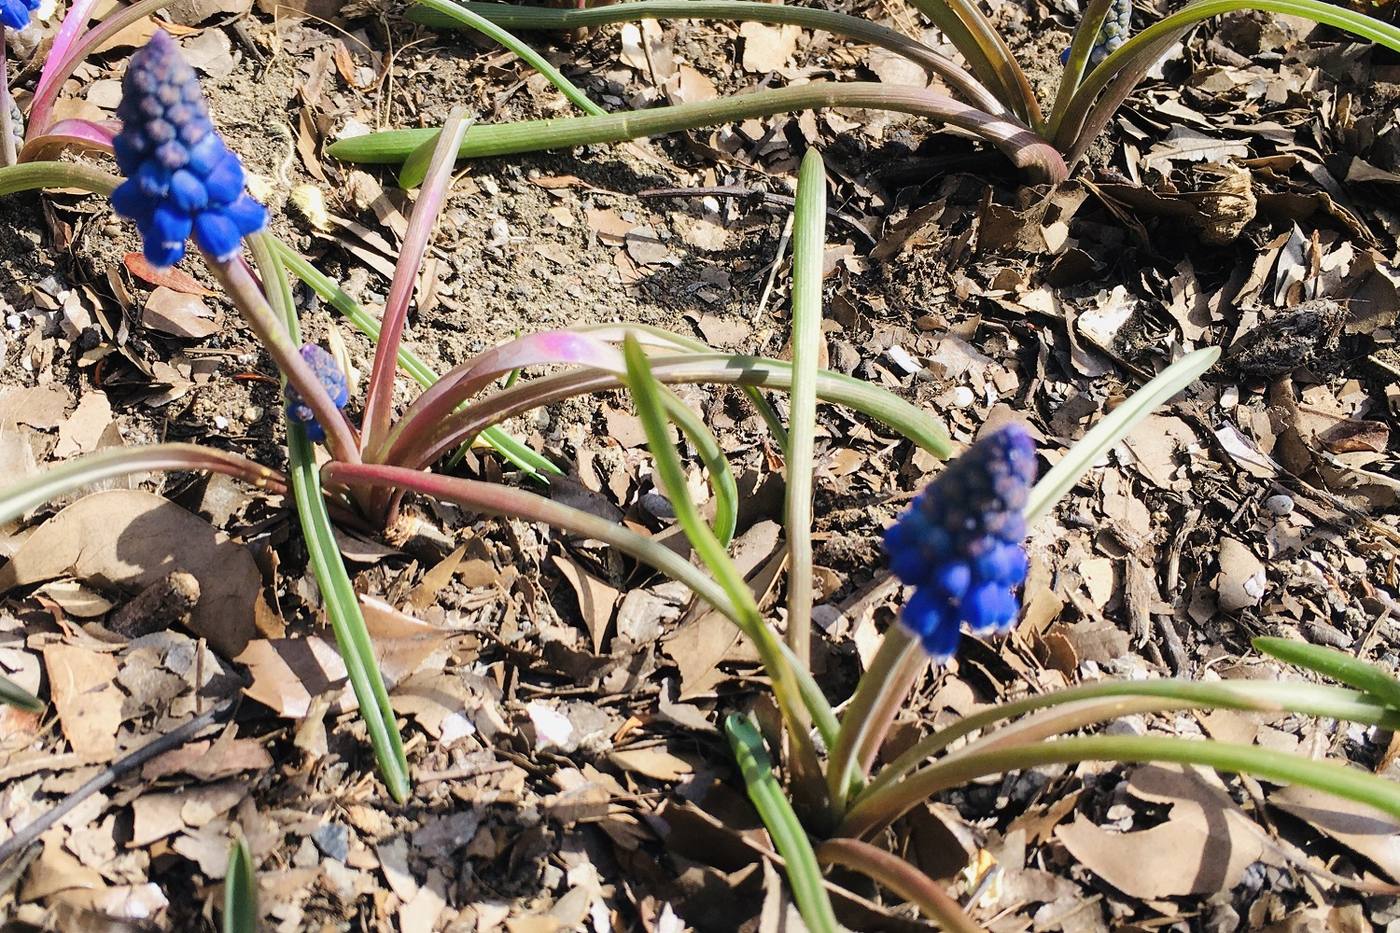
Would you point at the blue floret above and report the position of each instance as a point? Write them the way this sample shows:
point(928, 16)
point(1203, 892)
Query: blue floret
point(961, 543)
point(331, 379)
point(181, 180)
point(16, 13)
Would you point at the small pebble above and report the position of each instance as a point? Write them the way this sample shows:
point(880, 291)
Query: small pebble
point(221, 422)
point(963, 397)
point(333, 841)
point(1279, 505)
point(251, 413)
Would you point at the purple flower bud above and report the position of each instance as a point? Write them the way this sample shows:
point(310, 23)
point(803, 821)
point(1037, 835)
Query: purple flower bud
point(181, 178)
point(331, 379)
point(960, 545)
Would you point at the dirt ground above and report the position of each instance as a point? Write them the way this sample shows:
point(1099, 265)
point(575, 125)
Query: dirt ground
point(559, 703)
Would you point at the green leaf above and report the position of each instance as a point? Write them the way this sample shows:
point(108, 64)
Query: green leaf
point(1340, 666)
point(240, 890)
point(15, 695)
point(800, 862)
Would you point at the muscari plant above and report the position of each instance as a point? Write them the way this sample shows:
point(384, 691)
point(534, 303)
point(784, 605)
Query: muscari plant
point(181, 181)
point(990, 98)
point(959, 549)
point(959, 546)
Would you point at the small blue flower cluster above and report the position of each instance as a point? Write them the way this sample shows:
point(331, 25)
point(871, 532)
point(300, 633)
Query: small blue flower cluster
point(331, 379)
point(961, 544)
point(181, 178)
point(16, 13)
point(1116, 28)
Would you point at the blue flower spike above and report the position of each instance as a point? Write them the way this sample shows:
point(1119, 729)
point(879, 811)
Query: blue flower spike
point(332, 380)
point(16, 13)
point(1116, 28)
point(181, 178)
point(961, 545)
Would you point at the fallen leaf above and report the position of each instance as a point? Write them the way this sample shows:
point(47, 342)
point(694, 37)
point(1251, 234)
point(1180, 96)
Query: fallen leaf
point(596, 599)
point(1366, 831)
point(288, 672)
point(88, 701)
point(768, 48)
point(172, 278)
point(178, 314)
point(129, 539)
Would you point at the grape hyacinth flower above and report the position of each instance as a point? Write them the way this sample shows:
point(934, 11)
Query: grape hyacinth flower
point(16, 13)
point(181, 178)
point(961, 543)
point(1116, 28)
point(331, 378)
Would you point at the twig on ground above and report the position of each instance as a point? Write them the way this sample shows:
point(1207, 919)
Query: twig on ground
point(172, 739)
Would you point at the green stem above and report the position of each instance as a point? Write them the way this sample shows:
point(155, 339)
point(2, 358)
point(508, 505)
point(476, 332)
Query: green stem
point(808, 256)
point(514, 16)
point(901, 878)
point(803, 872)
point(342, 604)
point(466, 15)
point(878, 810)
point(1027, 151)
point(878, 681)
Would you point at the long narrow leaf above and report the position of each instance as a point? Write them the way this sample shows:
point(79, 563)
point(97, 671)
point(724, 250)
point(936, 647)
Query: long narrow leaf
point(240, 890)
point(1340, 666)
point(79, 472)
point(513, 450)
point(808, 257)
point(342, 605)
point(722, 485)
point(34, 176)
point(1027, 151)
point(15, 695)
point(1086, 34)
point(646, 396)
point(1246, 695)
point(379, 395)
point(720, 368)
point(800, 862)
point(1113, 428)
point(82, 44)
point(1077, 129)
point(900, 877)
point(518, 16)
point(879, 809)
